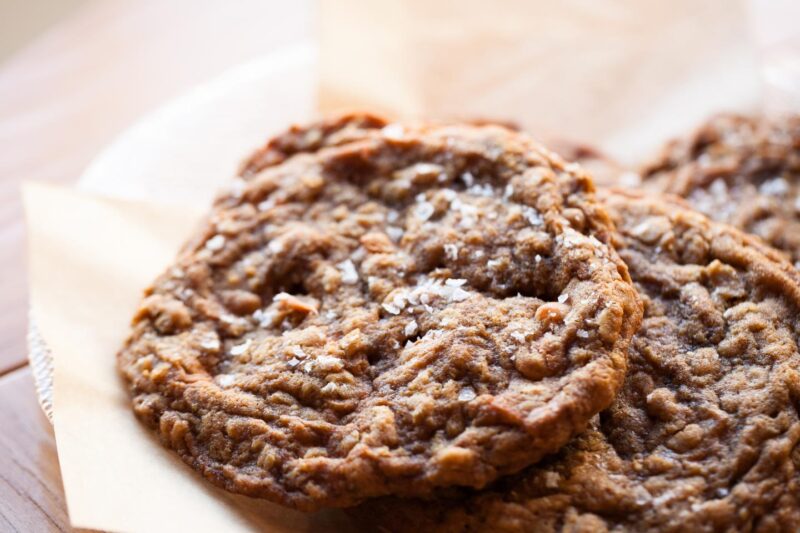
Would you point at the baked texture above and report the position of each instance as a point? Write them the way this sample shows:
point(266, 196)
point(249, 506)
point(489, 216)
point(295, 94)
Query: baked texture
point(741, 170)
point(704, 433)
point(604, 170)
point(378, 308)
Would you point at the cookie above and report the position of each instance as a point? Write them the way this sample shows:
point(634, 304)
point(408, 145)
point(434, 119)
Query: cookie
point(704, 433)
point(377, 308)
point(741, 170)
point(604, 170)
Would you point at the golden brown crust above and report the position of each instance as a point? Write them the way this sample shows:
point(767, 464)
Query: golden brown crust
point(382, 309)
point(604, 170)
point(741, 170)
point(705, 434)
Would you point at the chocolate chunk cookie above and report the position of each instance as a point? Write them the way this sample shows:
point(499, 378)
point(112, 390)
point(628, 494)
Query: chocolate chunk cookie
point(740, 170)
point(704, 434)
point(380, 309)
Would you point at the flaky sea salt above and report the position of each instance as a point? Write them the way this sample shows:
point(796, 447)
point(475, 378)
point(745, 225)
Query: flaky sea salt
point(394, 233)
point(397, 303)
point(582, 333)
point(449, 194)
point(451, 251)
point(459, 295)
point(264, 318)
point(518, 336)
point(532, 215)
point(391, 308)
point(293, 362)
point(239, 349)
point(428, 291)
point(349, 272)
point(719, 188)
point(562, 298)
point(468, 178)
point(774, 187)
point(433, 334)
point(359, 254)
point(393, 131)
point(266, 205)
point(298, 352)
point(225, 380)
point(215, 243)
point(411, 328)
point(427, 169)
point(329, 388)
point(481, 190)
point(210, 342)
point(424, 211)
point(466, 394)
point(275, 246)
point(328, 363)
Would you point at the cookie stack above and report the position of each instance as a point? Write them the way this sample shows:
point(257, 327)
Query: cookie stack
point(445, 327)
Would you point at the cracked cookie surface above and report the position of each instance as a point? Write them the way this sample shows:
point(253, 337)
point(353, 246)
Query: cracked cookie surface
point(741, 170)
point(704, 433)
point(378, 308)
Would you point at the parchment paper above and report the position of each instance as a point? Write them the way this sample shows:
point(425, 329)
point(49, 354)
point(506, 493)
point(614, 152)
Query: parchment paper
point(622, 75)
point(89, 260)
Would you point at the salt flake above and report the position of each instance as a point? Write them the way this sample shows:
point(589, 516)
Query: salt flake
point(215, 243)
point(424, 211)
point(393, 131)
point(466, 394)
point(349, 272)
point(239, 349)
point(451, 251)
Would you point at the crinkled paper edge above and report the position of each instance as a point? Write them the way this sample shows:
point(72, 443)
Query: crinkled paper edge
point(41, 363)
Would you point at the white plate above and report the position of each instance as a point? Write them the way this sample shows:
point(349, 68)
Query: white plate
point(187, 148)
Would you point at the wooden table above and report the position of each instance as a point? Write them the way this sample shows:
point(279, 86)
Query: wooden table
point(62, 99)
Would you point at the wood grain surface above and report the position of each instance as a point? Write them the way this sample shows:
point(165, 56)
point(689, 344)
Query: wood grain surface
point(31, 496)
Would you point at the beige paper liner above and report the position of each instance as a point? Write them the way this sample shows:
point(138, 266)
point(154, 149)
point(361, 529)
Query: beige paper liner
point(89, 260)
point(622, 75)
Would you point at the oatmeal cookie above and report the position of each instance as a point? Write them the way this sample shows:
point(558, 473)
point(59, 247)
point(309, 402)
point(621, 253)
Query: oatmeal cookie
point(604, 170)
point(379, 309)
point(704, 434)
point(741, 170)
